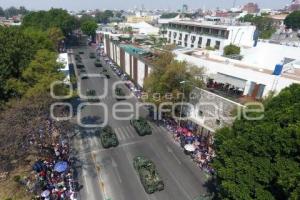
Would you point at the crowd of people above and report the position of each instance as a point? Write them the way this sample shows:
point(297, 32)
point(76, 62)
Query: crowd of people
point(201, 153)
point(52, 176)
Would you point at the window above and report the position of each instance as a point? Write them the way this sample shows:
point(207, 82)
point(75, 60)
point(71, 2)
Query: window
point(185, 44)
point(218, 122)
point(217, 46)
point(200, 42)
point(192, 46)
point(200, 113)
point(193, 39)
point(180, 36)
point(208, 42)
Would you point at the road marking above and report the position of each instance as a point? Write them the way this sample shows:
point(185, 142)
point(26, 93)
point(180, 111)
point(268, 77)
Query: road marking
point(130, 131)
point(119, 133)
point(86, 183)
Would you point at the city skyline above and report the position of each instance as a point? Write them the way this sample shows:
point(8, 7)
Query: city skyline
point(129, 4)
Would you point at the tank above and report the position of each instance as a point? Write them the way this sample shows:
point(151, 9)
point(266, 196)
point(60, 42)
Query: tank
point(148, 174)
point(141, 126)
point(92, 55)
point(92, 93)
point(98, 63)
point(108, 138)
point(119, 94)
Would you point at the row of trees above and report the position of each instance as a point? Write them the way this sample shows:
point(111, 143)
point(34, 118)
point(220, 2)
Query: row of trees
point(263, 23)
point(13, 11)
point(28, 53)
point(261, 159)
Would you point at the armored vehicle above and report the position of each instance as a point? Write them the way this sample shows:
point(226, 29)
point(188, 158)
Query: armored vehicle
point(141, 126)
point(79, 65)
point(120, 95)
point(81, 52)
point(108, 137)
point(98, 63)
point(92, 55)
point(92, 96)
point(148, 174)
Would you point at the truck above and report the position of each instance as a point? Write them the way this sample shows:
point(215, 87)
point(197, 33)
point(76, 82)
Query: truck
point(98, 63)
point(148, 174)
point(92, 55)
point(141, 126)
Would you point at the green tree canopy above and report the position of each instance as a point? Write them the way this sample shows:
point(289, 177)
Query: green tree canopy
point(232, 50)
point(166, 76)
point(89, 27)
point(261, 159)
point(53, 18)
point(103, 17)
point(263, 23)
point(293, 20)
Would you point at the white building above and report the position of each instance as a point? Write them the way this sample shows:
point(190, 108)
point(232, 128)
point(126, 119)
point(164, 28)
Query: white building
point(254, 75)
point(63, 59)
point(215, 34)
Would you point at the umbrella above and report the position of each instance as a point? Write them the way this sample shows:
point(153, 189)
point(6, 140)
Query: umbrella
point(190, 147)
point(61, 166)
point(45, 193)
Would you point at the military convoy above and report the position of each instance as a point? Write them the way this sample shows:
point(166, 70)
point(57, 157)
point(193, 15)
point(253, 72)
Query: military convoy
point(141, 126)
point(148, 174)
point(108, 137)
point(120, 95)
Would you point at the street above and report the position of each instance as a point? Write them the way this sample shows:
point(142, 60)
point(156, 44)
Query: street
point(109, 173)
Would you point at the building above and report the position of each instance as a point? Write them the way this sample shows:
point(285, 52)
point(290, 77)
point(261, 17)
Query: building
point(267, 68)
point(138, 19)
point(214, 34)
point(132, 59)
point(64, 60)
point(142, 28)
point(295, 5)
point(251, 8)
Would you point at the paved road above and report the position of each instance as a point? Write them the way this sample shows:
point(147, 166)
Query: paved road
point(109, 173)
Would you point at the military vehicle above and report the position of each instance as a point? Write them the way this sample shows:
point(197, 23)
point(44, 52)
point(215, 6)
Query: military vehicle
point(141, 126)
point(92, 55)
point(108, 137)
point(81, 52)
point(148, 174)
point(120, 95)
point(104, 70)
point(92, 96)
point(107, 75)
point(82, 70)
point(79, 65)
point(98, 63)
point(77, 57)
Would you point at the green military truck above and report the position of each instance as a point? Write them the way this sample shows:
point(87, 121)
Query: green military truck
point(108, 137)
point(92, 96)
point(141, 126)
point(148, 174)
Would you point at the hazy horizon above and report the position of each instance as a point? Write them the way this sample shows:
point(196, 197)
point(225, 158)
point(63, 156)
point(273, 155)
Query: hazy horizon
point(129, 4)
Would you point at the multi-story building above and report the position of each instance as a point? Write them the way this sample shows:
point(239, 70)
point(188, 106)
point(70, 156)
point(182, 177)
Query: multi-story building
point(251, 8)
point(214, 34)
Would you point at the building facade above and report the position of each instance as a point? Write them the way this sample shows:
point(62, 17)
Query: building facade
point(209, 34)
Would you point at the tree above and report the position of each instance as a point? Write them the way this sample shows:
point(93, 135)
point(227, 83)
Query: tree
point(16, 50)
point(293, 20)
point(89, 28)
point(232, 50)
point(260, 159)
point(263, 23)
point(103, 17)
point(2, 13)
point(53, 18)
point(56, 36)
point(166, 76)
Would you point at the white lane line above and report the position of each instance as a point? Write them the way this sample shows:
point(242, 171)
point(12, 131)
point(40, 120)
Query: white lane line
point(127, 135)
point(86, 183)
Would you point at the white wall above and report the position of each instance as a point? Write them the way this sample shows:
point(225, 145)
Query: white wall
point(118, 56)
point(270, 81)
point(127, 63)
point(140, 73)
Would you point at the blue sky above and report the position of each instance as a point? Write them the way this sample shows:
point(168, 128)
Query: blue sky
point(126, 4)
